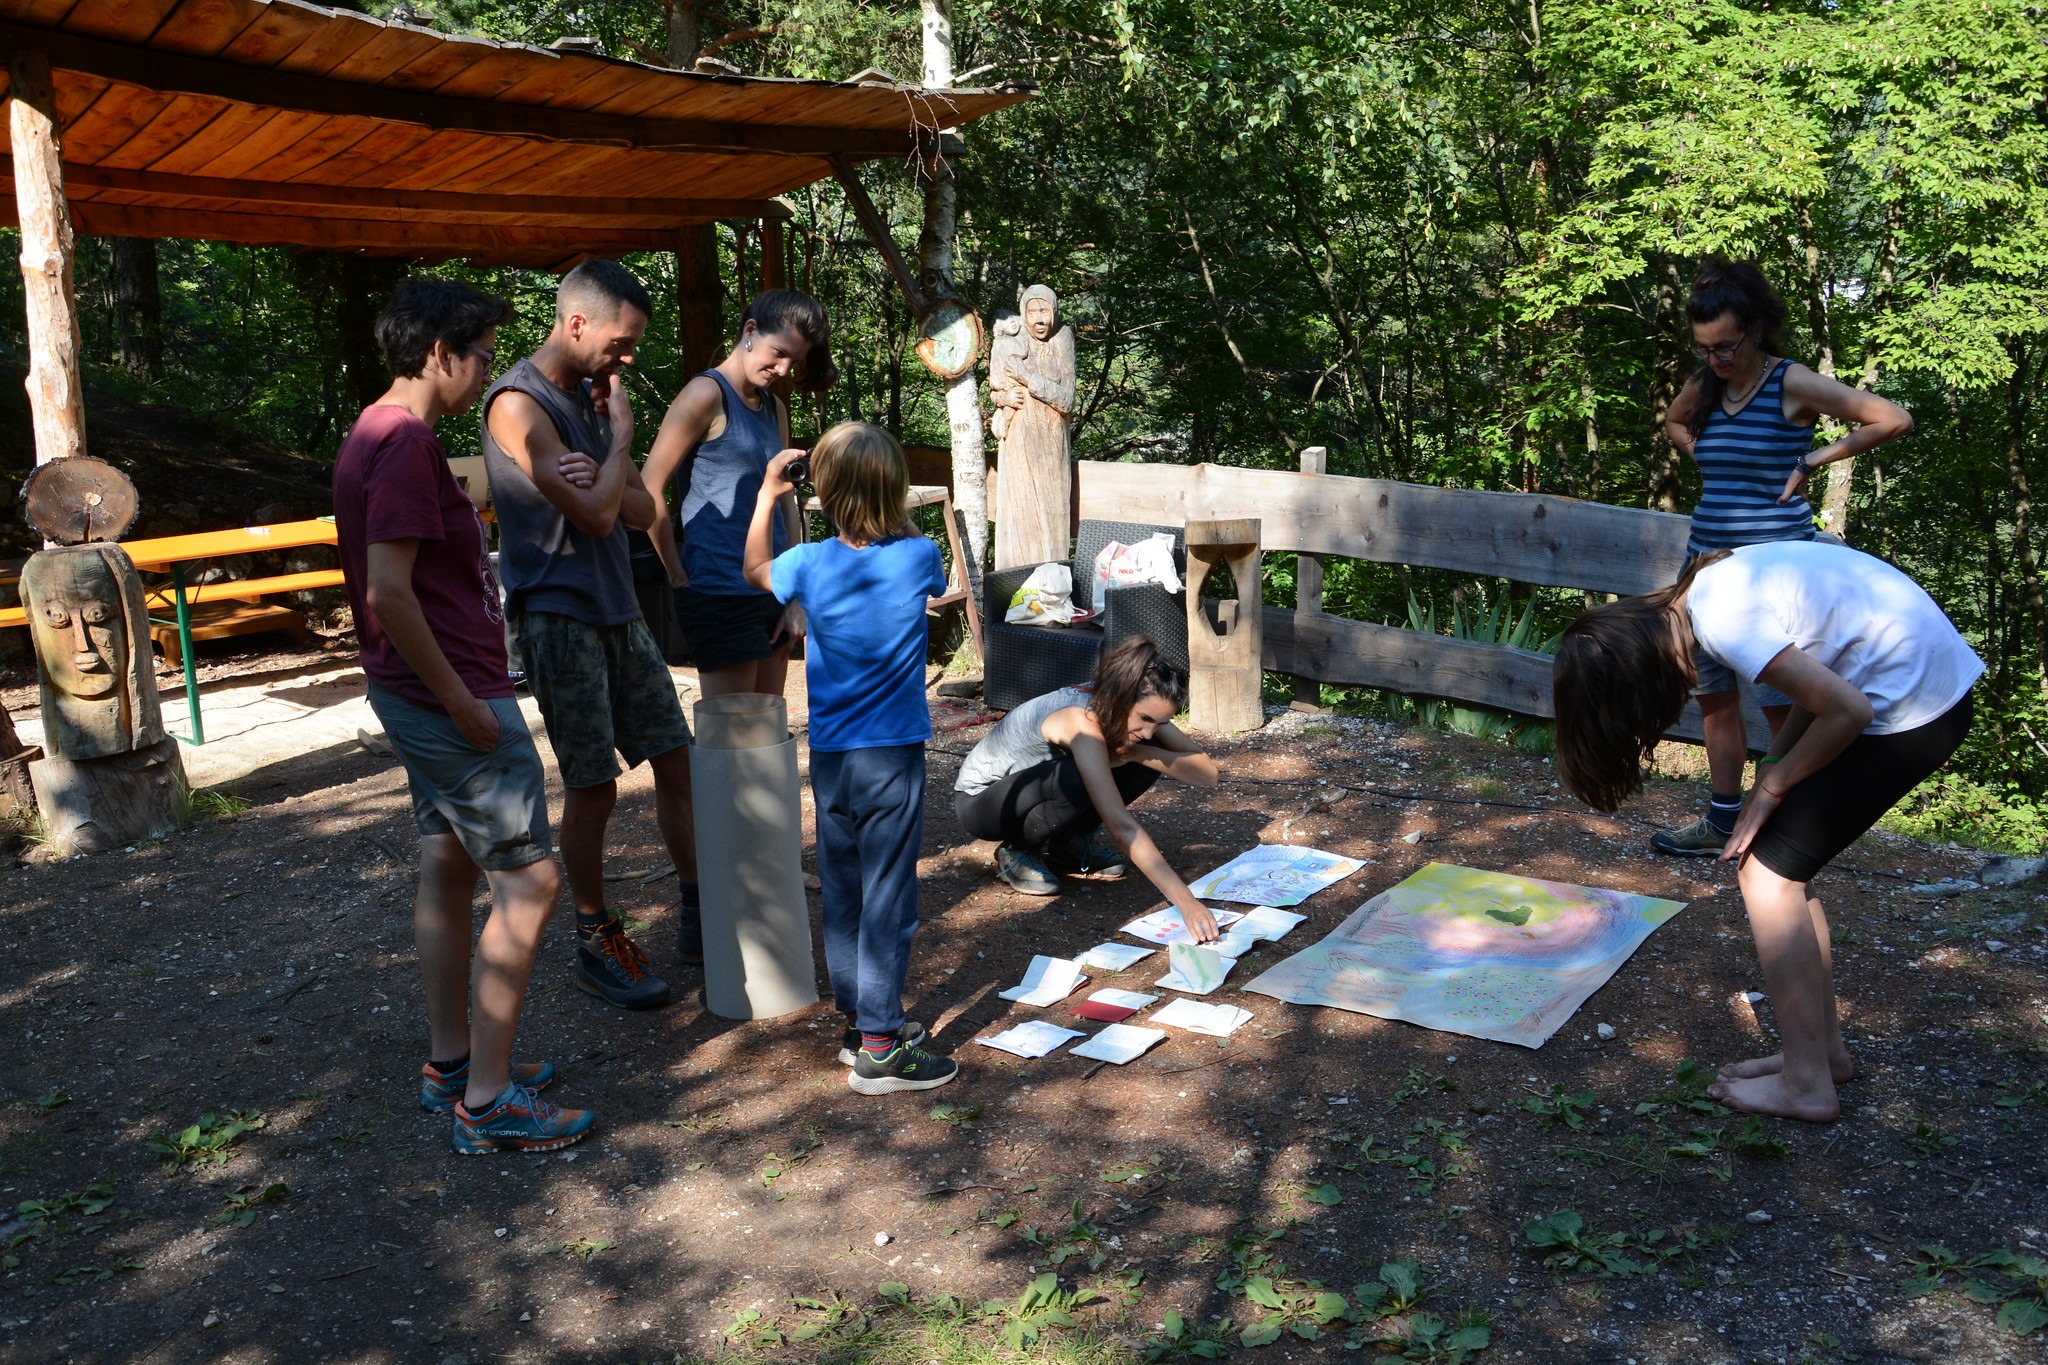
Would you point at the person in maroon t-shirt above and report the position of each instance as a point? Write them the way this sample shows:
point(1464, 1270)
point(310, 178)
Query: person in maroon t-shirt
point(428, 617)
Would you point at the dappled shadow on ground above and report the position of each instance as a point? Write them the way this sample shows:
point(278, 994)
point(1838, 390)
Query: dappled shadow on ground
point(264, 963)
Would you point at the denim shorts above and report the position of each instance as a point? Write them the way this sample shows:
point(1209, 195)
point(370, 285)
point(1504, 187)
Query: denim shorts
point(493, 801)
point(728, 629)
point(604, 691)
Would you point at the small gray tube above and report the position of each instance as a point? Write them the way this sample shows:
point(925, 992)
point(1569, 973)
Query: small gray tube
point(758, 959)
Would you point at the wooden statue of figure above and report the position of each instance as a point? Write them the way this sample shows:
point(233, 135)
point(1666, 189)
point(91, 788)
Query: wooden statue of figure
point(111, 776)
point(91, 633)
point(1033, 391)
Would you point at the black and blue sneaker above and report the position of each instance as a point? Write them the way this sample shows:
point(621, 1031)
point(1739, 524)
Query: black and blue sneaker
point(912, 1033)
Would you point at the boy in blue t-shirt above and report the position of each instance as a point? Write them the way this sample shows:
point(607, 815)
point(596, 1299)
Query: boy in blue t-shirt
point(863, 593)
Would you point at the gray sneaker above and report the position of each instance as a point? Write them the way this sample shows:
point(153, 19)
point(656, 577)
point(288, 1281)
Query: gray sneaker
point(1091, 853)
point(1025, 870)
point(1697, 840)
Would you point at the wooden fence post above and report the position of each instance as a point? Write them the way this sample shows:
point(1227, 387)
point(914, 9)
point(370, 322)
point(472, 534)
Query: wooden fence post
point(56, 403)
point(1225, 639)
point(1308, 591)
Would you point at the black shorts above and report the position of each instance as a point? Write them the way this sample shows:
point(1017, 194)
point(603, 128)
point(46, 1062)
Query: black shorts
point(1831, 810)
point(725, 629)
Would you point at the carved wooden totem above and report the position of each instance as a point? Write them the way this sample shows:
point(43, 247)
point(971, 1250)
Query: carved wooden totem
point(1032, 387)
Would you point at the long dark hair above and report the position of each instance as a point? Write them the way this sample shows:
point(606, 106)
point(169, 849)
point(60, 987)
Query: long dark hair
point(1623, 674)
point(1128, 672)
point(1720, 288)
point(797, 314)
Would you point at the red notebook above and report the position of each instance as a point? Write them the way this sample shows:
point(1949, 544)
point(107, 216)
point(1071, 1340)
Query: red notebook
point(1103, 1010)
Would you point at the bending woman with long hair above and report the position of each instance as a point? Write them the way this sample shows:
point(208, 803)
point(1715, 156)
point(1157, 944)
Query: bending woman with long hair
point(1880, 687)
point(1746, 416)
point(1062, 768)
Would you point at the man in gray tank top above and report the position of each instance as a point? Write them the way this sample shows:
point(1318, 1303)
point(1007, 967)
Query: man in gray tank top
point(558, 443)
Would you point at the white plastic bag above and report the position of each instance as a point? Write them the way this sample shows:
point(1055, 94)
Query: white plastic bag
point(1149, 561)
point(1046, 599)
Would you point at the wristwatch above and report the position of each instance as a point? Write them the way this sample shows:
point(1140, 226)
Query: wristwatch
point(1808, 469)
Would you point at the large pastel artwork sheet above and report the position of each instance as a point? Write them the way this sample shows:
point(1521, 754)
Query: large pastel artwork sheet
point(1274, 874)
point(1473, 952)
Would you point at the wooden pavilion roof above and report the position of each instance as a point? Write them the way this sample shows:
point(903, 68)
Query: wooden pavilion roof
point(279, 122)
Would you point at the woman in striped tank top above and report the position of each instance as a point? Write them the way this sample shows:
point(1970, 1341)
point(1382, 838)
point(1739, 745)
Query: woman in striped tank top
point(1747, 417)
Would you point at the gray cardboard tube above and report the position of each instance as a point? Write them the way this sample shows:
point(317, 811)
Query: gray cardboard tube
point(758, 960)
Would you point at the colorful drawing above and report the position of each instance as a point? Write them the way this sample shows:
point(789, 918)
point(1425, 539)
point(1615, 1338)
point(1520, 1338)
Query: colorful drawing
point(1472, 952)
point(1274, 874)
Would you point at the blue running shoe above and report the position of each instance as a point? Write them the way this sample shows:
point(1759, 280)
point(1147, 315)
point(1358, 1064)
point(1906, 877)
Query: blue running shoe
point(439, 1090)
point(520, 1121)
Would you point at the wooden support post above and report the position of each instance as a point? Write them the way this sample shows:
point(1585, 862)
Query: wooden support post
point(56, 402)
point(700, 297)
point(1225, 639)
point(877, 230)
point(1308, 591)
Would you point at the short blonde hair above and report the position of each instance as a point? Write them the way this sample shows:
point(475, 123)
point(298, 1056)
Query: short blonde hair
point(863, 482)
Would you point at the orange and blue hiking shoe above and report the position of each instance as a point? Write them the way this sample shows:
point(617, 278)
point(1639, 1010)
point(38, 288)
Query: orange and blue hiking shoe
point(904, 1066)
point(520, 1121)
point(439, 1090)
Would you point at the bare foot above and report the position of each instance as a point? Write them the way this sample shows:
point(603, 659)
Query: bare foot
point(1841, 1068)
point(1772, 1095)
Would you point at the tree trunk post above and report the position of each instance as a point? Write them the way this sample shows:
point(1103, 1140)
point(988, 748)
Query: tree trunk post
point(700, 297)
point(935, 261)
point(56, 402)
point(682, 36)
point(140, 307)
point(1308, 591)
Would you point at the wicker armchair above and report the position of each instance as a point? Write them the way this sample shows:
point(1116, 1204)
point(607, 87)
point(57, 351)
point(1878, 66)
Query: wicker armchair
point(1028, 661)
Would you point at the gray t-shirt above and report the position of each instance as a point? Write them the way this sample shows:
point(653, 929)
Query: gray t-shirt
point(1017, 742)
point(545, 563)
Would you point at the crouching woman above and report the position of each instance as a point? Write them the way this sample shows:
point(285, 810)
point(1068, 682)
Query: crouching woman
point(1880, 683)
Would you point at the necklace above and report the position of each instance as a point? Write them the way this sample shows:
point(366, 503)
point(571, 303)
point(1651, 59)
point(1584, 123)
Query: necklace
point(1763, 372)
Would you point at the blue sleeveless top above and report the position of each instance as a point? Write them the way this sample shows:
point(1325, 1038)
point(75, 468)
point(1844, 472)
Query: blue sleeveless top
point(1745, 461)
point(545, 563)
point(724, 479)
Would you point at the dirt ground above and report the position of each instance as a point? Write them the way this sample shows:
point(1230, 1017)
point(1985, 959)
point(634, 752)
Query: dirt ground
point(263, 963)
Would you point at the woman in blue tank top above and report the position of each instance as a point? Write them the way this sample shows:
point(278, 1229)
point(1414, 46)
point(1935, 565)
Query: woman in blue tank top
point(1746, 417)
point(715, 443)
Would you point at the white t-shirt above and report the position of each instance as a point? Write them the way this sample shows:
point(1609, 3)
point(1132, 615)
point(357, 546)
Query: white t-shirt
point(1855, 615)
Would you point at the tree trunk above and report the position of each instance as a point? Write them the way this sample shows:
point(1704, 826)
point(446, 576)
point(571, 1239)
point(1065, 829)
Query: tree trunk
point(366, 285)
point(683, 41)
point(1664, 385)
point(935, 267)
point(56, 402)
point(2016, 392)
point(138, 306)
point(1842, 473)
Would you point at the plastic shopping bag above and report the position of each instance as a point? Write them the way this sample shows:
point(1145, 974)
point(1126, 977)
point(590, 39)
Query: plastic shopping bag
point(1046, 599)
point(1149, 561)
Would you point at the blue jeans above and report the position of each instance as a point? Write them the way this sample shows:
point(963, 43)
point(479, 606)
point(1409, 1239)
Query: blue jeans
point(870, 827)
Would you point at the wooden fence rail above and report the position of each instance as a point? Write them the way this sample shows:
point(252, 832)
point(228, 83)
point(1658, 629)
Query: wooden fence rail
point(1525, 537)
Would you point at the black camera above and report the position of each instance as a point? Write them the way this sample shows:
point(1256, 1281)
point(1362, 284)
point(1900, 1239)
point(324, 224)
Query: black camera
point(798, 470)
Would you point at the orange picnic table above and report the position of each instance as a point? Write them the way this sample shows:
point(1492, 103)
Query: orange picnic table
point(173, 554)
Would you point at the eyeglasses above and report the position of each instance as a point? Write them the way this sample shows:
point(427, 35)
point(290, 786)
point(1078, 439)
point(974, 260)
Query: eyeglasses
point(1722, 354)
point(490, 358)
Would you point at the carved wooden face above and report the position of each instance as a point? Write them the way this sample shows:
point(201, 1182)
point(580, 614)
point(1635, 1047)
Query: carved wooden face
point(80, 626)
point(1038, 317)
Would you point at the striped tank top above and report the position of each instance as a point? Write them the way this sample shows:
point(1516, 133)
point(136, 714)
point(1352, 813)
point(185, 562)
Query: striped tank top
point(1744, 462)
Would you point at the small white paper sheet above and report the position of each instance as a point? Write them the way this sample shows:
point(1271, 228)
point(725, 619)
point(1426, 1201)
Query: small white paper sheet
point(1032, 1038)
point(1119, 1043)
point(1164, 925)
point(1047, 981)
point(1114, 957)
point(1269, 922)
point(1274, 874)
point(1196, 970)
point(1218, 1021)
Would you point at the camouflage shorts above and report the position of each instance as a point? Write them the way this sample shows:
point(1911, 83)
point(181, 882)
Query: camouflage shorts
point(603, 691)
